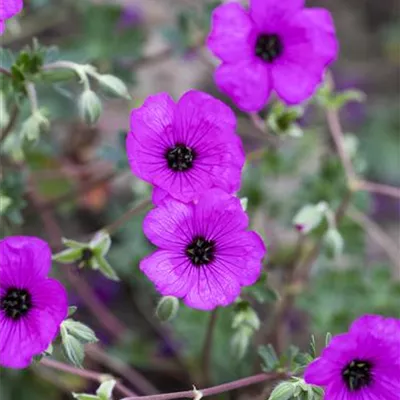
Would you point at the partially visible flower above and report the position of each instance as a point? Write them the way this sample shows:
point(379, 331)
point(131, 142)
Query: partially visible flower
point(187, 148)
point(32, 306)
point(205, 252)
point(130, 16)
point(363, 364)
point(276, 45)
point(8, 8)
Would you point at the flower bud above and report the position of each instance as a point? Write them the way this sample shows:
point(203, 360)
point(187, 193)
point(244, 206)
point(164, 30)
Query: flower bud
point(114, 85)
point(90, 107)
point(167, 308)
point(284, 391)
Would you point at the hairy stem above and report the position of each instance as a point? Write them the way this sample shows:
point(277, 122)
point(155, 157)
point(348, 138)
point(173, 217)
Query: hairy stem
point(226, 387)
point(86, 374)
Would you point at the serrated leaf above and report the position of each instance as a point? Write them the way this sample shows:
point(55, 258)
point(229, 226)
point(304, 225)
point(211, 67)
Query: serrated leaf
point(269, 357)
point(68, 256)
point(105, 390)
point(105, 268)
point(80, 331)
point(72, 348)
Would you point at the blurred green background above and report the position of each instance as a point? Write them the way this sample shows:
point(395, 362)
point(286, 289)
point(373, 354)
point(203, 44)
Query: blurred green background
point(82, 173)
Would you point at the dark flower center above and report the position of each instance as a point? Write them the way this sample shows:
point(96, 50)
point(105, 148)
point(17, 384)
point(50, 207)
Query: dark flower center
point(180, 157)
point(16, 303)
point(268, 47)
point(86, 257)
point(357, 374)
point(201, 251)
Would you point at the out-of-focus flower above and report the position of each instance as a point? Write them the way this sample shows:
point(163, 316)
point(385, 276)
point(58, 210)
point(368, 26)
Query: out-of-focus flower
point(32, 306)
point(205, 252)
point(363, 364)
point(8, 8)
point(187, 148)
point(276, 45)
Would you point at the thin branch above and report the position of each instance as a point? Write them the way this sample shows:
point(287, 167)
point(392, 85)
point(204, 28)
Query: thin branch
point(5, 72)
point(377, 234)
point(379, 188)
point(226, 387)
point(84, 373)
point(11, 122)
point(135, 378)
point(137, 209)
point(207, 347)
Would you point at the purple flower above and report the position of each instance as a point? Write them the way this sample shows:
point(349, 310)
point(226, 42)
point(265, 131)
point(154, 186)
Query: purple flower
point(8, 8)
point(185, 149)
point(275, 45)
point(32, 306)
point(363, 364)
point(205, 253)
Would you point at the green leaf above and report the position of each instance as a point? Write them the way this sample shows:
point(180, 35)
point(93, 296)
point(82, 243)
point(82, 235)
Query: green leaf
point(284, 391)
point(113, 85)
point(269, 357)
point(105, 268)
point(84, 396)
point(72, 348)
point(101, 242)
point(105, 390)
point(341, 99)
point(68, 256)
point(80, 331)
point(73, 244)
point(167, 308)
point(72, 310)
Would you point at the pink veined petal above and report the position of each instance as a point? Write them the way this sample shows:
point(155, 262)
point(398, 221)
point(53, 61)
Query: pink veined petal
point(150, 135)
point(158, 195)
point(13, 351)
point(337, 390)
point(268, 14)
point(241, 254)
point(169, 226)
point(147, 162)
point(247, 83)
point(8, 8)
point(321, 372)
point(170, 271)
point(23, 259)
point(232, 32)
point(199, 114)
point(212, 289)
point(322, 33)
point(218, 215)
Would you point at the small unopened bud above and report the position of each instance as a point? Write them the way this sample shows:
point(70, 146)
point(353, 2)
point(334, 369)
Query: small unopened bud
point(334, 243)
point(167, 308)
point(90, 107)
point(114, 85)
point(34, 125)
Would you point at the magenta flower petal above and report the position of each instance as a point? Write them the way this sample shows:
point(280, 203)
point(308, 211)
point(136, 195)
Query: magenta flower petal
point(287, 49)
point(166, 227)
point(8, 9)
point(206, 254)
point(362, 364)
point(268, 14)
point(18, 256)
point(231, 33)
point(188, 148)
point(158, 195)
point(248, 83)
point(32, 306)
